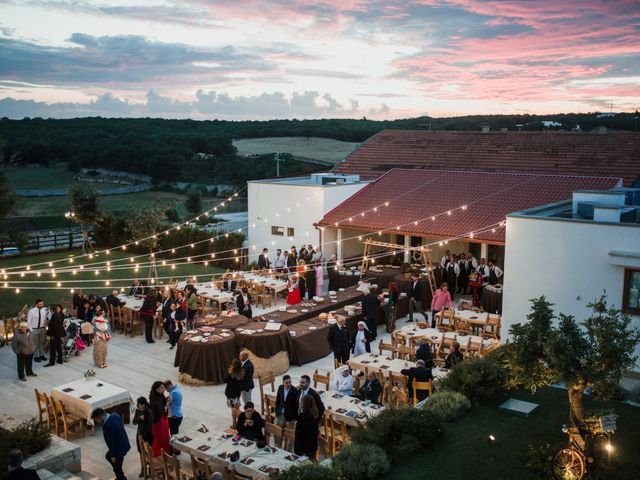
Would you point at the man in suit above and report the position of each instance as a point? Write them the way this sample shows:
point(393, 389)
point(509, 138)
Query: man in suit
point(167, 300)
point(115, 436)
point(371, 311)
point(229, 284)
point(371, 389)
point(114, 301)
point(16, 472)
point(263, 260)
point(419, 373)
point(304, 388)
point(338, 339)
point(137, 289)
point(415, 297)
point(286, 406)
point(247, 365)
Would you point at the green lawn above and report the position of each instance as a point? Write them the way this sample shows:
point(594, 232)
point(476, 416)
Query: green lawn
point(315, 148)
point(464, 452)
point(46, 177)
point(36, 206)
point(12, 302)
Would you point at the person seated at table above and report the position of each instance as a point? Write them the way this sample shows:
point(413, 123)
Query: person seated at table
point(176, 318)
point(263, 260)
point(114, 301)
point(137, 289)
point(371, 389)
point(286, 406)
point(229, 284)
point(95, 301)
point(243, 302)
point(424, 353)
point(306, 439)
point(293, 287)
point(361, 340)
point(419, 373)
point(343, 381)
point(455, 356)
point(250, 424)
point(441, 300)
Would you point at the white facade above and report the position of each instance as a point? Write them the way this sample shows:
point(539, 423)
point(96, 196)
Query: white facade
point(570, 261)
point(282, 212)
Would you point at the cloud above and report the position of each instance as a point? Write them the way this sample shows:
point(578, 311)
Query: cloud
point(313, 72)
point(206, 105)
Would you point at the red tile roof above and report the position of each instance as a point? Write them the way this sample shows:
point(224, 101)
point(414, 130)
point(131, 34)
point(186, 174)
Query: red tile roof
point(420, 194)
point(615, 154)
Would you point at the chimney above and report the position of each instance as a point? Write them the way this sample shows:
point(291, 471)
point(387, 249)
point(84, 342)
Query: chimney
point(486, 128)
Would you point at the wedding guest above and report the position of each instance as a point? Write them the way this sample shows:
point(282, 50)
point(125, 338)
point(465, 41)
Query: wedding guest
point(177, 318)
point(292, 259)
point(143, 418)
point(391, 307)
point(55, 332)
point(113, 300)
point(137, 289)
point(16, 470)
point(165, 308)
point(250, 424)
point(147, 314)
point(37, 318)
point(293, 289)
point(23, 346)
point(78, 300)
point(301, 271)
point(101, 337)
point(234, 384)
point(310, 276)
point(263, 260)
point(175, 406)
point(279, 262)
point(415, 297)
point(160, 426)
point(304, 390)
point(229, 284)
point(455, 356)
point(371, 311)
point(286, 406)
point(192, 305)
point(306, 439)
point(338, 339)
point(247, 366)
point(424, 353)
point(244, 302)
point(419, 373)
point(361, 340)
point(441, 300)
point(343, 381)
point(332, 273)
point(115, 436)
point(371, 389)
point(319, 277)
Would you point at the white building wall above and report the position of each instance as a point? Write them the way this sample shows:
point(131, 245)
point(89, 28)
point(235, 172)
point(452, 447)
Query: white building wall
point(290, 205)
point(567, 261)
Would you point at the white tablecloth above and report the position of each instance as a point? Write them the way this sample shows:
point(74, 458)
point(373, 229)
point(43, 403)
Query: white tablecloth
point(379, 363)
point(207, 290)
point(81, 397)
point(349, 410)
point(436, 337)
point(131, 302)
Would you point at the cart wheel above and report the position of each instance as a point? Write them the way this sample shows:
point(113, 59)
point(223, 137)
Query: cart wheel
point(568, 464)
point(66, 359)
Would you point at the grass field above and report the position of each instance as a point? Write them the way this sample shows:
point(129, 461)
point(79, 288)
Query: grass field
point(35, 206)
point(464, 451)
point(12, 302)
point(315, 148)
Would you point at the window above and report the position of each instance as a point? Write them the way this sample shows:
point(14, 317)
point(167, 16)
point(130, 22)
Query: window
point(291, 232)
point(631, 292)
point(277, 231)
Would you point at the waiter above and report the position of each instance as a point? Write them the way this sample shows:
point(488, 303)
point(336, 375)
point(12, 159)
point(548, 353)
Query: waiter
point(37, 318)
point(483, 270)
point(495, 273)
point(452, 270)
point(445, 259)
point(463, 277)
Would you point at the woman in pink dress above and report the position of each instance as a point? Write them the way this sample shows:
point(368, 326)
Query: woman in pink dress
point(293, 297)
point(319, 278)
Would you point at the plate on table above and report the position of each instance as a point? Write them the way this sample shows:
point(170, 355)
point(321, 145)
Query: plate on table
point(204, 448)
point(292, 458)
point(247, 461)
point(184, 439)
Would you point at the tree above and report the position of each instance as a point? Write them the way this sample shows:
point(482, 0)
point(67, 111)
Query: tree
point(591, 354)
point(193, 203)
point(85, 210)
point(7, 197)
point(143, 225)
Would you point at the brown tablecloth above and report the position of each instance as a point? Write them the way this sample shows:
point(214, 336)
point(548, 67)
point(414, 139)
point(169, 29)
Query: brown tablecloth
point(382, 278)
point(233, 322)
point(349, 296)
point(264, 344)
point(206, 361)
point(491, 301)
point(309, 345)
point(345, 281)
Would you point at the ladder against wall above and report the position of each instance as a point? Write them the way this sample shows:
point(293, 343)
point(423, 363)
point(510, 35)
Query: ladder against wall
point(424, 251)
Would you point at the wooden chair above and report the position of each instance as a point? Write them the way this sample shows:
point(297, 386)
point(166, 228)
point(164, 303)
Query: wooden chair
point(275, 432)
point(445, 321)
point(171, 467)
point(324, 447)
point(321, 378)
point(151, 466)
point(423, 325)
point(263, 381)
point(289, 438)
point(397, 339)
point(491, 328)
point(400, 398)
point(263, 296)
point(67, 421)
point(269, 407)
point(445, 347)
point(421, 386)
point(404, 352)
point(472, 348)
point(238, 476)
point(201, 468)
point(44, 407)
point(386, 347)
point(337, 364)
point(465, 305)
point(339, 435)
point(462, 326)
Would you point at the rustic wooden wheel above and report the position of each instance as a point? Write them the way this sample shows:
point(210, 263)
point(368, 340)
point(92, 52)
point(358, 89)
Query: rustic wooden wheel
point(568, 464)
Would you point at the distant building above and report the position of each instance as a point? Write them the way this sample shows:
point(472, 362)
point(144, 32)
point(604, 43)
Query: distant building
point(573, 251)
point(282, 211)
point(606, 115)
point(551, 123)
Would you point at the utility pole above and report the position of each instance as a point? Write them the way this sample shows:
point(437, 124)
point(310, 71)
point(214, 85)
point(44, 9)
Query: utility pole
point(278, 159)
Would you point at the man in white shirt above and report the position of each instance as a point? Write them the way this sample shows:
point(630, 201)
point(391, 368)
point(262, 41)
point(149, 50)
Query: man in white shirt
point(37, 318)
point(483, 270)
point(472, 262)
point(495, 273)
point(445, 259)
point(280, 261)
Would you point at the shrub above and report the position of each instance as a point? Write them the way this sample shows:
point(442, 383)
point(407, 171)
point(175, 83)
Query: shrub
point(538, 460)
point(361, 462)
point(400, 432)
point(306, 472)
point(476, 378)
point(447, 405)
point(30, 437)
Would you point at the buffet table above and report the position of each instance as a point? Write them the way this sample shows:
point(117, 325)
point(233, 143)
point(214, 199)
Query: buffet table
point(491, 300)
point(206, 358)
point(309, 342)
point(381, 276)
point(262, 342)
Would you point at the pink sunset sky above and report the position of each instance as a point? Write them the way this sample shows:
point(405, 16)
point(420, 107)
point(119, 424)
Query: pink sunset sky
point(256, 59)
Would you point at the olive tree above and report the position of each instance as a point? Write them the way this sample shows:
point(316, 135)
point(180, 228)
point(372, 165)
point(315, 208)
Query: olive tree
point(85, 210)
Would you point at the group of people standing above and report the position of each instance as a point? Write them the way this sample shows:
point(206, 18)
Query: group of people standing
point(457, 269)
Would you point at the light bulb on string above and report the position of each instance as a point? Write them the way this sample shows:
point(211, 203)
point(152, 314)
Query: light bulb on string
point(17, 290)
point(449, 212)
point(58, 284)
point(28, 267)
point(81, 267)
point(22, 274)
point(38, 274)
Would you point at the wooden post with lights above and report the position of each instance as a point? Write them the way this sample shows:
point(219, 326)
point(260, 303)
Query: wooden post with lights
point(424, 251)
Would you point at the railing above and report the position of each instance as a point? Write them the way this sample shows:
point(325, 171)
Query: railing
point(56, 240)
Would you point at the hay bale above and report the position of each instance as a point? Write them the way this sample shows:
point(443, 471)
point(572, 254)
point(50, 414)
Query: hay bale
point(276, 365)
